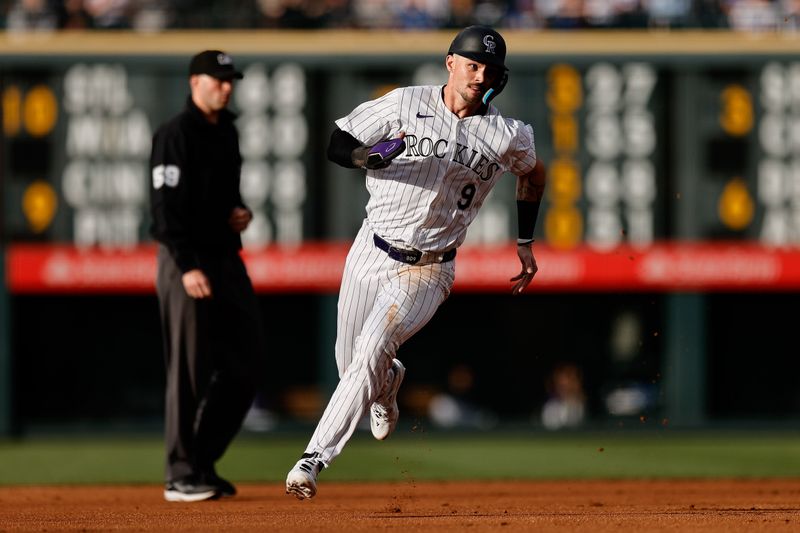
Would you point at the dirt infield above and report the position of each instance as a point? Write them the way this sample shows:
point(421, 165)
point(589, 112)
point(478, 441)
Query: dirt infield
point(708, 506)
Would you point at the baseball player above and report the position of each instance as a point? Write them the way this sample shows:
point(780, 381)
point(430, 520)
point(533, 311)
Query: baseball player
point(210, 318)
point(431, 155)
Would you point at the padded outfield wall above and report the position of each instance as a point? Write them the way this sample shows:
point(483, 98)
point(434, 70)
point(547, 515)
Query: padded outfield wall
point(667, 243)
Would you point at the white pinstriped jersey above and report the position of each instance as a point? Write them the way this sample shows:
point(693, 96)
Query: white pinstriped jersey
point(430, 194)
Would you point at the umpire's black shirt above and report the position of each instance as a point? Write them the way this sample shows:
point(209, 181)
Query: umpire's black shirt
point(195, 169)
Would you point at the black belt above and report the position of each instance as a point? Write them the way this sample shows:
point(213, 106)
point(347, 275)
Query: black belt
point(411, 257)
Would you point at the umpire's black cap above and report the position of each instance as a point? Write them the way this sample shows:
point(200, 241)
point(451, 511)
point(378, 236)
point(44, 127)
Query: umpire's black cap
point(214, 63)
point(482, 44)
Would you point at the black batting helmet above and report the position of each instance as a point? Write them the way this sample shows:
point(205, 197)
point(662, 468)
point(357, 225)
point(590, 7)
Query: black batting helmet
point(482, 44)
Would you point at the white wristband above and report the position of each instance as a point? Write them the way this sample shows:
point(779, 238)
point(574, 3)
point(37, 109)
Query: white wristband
point(521, 242)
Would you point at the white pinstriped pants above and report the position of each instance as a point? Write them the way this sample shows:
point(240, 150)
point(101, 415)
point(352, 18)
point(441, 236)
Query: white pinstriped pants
point(382, 303)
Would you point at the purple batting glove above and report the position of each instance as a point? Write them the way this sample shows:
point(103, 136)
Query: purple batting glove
point(380, 155)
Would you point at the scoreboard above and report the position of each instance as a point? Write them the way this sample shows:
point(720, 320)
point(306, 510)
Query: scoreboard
point(603, 175)
point(678, 151)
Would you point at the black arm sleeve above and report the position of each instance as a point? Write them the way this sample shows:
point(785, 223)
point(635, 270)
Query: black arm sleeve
point(340, 149)
point(527, 212)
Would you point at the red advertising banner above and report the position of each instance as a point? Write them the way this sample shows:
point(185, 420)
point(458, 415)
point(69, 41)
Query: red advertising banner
point(48, 268)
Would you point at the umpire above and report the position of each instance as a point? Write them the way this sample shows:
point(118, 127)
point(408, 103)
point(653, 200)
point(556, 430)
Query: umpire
point(213, 342)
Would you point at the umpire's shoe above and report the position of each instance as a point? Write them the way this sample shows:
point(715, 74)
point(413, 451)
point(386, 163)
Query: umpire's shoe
point(302, 479)
point(224, 487)
point(190, 489)
point(383, 413)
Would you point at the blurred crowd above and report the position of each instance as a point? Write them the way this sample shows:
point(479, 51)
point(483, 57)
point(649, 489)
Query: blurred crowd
point(158, 15)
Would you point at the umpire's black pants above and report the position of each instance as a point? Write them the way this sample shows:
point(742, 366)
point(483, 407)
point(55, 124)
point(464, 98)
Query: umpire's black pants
point(214, 349)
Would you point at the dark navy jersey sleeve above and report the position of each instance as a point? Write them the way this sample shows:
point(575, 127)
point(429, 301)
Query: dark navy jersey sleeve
point(195, 170)
point(170, 195)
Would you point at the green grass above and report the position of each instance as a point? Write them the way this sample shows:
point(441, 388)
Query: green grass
point(111, 460)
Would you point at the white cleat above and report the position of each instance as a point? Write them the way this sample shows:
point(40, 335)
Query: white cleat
point(383, 413)
point(302, 479)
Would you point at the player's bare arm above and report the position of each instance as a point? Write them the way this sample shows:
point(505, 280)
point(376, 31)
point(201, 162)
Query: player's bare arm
point(530, 187)
point(530, 191)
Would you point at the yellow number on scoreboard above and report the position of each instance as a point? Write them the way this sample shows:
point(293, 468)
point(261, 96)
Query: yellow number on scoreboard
point(736, 117)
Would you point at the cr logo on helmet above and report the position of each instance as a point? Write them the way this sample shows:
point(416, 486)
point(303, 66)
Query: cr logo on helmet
point(488, 41)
